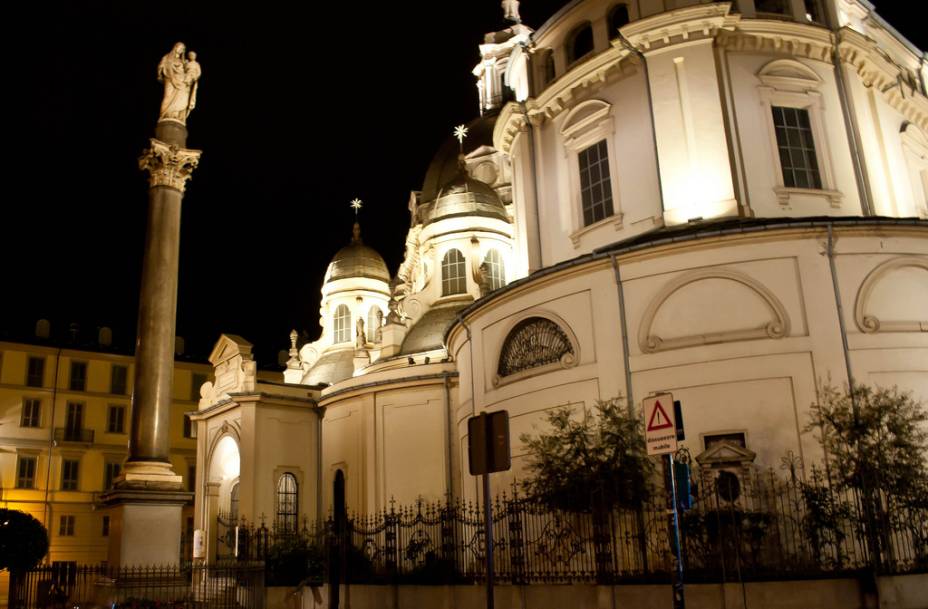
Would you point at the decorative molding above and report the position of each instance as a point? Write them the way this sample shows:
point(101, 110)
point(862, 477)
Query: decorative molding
point(784, 194)
point(568, 359)
point(778, 327)
point(777, 36)
point(789, 75)
point(687, 24)
point(870, 324)
point(168, 165)
point(863, 55)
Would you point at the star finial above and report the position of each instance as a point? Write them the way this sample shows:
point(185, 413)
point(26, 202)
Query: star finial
point(460, 132)
point(356, 206)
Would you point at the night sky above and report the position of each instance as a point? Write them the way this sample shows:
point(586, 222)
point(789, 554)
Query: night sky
point(302, 107)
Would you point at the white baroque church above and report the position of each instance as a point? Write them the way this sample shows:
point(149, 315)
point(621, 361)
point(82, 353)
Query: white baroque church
point(724, 200)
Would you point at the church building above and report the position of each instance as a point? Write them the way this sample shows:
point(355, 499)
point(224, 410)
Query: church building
point(727, 201)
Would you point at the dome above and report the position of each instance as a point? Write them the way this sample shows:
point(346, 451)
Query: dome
point(464, 196)
point(357, 260)
point(444, 165)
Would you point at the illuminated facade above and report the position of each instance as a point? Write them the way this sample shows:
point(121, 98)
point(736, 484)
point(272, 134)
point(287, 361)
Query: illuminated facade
point(724, 200)
point(64, 425)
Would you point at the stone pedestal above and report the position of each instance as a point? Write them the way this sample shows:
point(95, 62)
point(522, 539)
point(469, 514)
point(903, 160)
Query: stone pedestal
point(145, 526)
point(393, 335)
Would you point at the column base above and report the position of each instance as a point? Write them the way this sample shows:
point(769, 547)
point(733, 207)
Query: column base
point(149, 475)
point(145, 526)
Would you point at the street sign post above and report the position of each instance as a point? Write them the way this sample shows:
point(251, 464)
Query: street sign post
point(661, 432)
point(488, 452)
point(660, 429)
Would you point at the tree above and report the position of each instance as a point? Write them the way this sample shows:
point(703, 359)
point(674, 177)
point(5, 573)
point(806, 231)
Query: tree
point(596, 460)
point(876, 444)
point(881, 445)
point(23, 541)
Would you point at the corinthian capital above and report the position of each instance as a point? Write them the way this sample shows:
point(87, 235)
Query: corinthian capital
point(168, 165)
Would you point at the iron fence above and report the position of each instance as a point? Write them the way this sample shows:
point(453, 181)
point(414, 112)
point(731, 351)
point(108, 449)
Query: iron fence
point(68, 586)
point(742, 525)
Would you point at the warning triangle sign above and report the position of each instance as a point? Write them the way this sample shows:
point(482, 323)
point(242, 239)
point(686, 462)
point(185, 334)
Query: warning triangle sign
point(659, 418)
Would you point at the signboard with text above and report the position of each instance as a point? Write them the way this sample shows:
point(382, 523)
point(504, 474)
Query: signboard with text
point(660, 429)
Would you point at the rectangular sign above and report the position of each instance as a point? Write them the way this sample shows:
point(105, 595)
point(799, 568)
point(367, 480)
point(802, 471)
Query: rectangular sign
point(660, 430)
point(488, 443)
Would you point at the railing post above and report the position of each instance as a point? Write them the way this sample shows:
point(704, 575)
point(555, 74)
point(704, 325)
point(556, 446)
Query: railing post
point(514, 509)
point(390, 545)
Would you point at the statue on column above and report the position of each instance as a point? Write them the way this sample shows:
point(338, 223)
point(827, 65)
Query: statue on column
point(511, 11)
point(378, 334)
point(179, 71)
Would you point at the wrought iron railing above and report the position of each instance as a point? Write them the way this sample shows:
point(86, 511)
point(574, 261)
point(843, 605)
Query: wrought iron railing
point(743, 525)
point(66, 585)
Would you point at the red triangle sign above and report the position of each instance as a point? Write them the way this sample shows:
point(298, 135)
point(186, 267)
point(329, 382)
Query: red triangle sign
point(659, 419)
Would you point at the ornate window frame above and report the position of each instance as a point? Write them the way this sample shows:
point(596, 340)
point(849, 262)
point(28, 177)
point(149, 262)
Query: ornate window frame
point(283, 519)
point(586, 124)
point(568, 360)
point(791, 84)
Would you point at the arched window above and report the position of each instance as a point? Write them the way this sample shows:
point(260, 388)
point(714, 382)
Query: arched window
point(495, 271)
point(453, 280)
point(342, 325)
point(374, 321)
point(618, 17)
point(580, 43)
point(288, 502)
point(532, 343)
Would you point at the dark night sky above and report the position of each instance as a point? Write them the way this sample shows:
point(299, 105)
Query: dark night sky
point(302, 107)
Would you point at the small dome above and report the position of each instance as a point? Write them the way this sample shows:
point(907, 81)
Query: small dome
point(357, 260)
point(464, 196)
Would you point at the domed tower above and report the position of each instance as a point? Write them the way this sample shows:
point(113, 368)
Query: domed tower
point(355, 293)
point(464, 250)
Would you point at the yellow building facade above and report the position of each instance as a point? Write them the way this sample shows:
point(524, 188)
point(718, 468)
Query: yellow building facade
point(64, 430)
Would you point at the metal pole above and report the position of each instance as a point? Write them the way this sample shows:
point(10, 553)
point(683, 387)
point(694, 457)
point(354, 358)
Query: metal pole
point(677, 581)
point(488, 527)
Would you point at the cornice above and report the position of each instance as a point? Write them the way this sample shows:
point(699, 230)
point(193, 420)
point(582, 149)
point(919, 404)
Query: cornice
point(583, 78)
point(688, 24)
point(771, 36)
point(863, 55)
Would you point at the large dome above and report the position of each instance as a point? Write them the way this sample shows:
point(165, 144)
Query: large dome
point(464, 196)
point(357, 260)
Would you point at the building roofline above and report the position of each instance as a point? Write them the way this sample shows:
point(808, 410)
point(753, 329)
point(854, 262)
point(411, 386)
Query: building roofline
point(681, 234)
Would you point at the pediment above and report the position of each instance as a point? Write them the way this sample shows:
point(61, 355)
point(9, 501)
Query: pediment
point(229, 346)
point(725, 453)
point(584, 115)
point(789, 74)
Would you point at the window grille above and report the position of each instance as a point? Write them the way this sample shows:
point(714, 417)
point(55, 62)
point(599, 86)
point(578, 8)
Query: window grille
point(342, 324)
point(595, 183)
point(797, 148)
point(453, 279)
point(532, 343)
point(495, 270)
point(287, 502)
point(32, 413)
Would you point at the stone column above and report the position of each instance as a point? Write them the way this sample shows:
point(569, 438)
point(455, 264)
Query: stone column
point(169, 165)
point(145, 507)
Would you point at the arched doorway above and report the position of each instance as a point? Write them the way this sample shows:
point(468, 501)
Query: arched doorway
point(222, 497)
